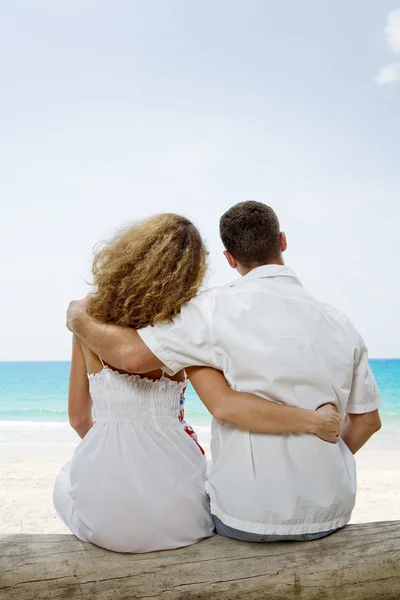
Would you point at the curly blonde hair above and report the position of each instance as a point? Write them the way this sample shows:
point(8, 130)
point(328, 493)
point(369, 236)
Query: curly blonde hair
point(148, 271)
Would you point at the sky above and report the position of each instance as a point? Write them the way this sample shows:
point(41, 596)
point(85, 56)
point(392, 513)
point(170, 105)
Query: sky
point(114, 110)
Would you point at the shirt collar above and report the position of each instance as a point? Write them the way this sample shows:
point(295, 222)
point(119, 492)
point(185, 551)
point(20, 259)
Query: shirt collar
point(268, 271)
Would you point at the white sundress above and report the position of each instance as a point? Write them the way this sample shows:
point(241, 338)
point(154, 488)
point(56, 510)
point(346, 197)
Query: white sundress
point(136, 482)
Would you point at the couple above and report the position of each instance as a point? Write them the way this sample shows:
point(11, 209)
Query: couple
point(271, 364)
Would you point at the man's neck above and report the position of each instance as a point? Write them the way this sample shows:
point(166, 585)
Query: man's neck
point(244, 270)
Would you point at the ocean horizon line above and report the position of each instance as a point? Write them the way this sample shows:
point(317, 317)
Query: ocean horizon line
point(69, 360)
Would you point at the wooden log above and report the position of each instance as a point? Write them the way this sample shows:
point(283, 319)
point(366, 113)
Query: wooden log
point(361, 562)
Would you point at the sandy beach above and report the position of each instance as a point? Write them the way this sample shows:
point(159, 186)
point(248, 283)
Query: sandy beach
point(28, 471)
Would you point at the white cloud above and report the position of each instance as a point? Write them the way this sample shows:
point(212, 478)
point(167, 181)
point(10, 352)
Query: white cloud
point(391, 73)
point(388, 74)
point(392, 30)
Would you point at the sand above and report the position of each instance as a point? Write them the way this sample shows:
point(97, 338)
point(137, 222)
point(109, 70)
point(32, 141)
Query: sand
point(28, 471)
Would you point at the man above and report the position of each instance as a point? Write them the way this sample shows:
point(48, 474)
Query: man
point(270, 337)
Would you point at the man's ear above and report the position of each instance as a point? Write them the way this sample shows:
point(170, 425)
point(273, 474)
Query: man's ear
point(232, 261)
point(283, 241)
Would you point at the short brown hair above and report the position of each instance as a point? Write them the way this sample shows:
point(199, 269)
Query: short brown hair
point(148, 271)
point(250, 232)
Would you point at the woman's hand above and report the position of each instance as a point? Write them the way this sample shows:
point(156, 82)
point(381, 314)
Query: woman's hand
point(328, 422)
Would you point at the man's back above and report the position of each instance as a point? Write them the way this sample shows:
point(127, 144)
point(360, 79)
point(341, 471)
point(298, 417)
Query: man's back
point(270, 337)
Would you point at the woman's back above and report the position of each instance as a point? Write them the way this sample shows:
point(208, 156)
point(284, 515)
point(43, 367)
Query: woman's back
point(136, 481)
point(140, 399)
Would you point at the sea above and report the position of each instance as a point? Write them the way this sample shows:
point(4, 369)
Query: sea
point(33, 401)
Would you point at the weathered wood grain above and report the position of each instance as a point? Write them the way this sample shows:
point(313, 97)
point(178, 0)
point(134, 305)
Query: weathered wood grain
point(361, 562)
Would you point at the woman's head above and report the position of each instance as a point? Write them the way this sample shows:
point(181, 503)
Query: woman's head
point(148, 271)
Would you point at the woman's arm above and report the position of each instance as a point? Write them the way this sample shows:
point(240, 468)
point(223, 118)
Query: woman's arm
point(252, 413)
point(79, 401)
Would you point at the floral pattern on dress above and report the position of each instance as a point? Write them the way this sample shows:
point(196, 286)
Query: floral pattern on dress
point(189, 430)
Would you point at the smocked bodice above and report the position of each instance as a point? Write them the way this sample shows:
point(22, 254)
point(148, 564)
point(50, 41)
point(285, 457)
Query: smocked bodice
point(118, 396)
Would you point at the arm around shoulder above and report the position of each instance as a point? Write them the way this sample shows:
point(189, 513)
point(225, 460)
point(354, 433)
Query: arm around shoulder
point(120, 347)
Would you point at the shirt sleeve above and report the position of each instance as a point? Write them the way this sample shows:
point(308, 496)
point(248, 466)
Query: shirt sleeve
point(187, 340)
point(364, 396)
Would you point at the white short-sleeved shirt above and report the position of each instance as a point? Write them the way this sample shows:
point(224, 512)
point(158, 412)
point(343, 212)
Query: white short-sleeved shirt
point(270, 337)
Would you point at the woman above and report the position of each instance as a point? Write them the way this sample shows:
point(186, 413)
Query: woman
point(136, 481)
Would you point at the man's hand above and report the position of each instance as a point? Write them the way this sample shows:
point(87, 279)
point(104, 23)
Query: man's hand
point(76, 310)
point(121, 347)
point(328, 423)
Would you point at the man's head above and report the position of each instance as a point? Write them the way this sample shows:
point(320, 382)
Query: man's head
point(251, 235)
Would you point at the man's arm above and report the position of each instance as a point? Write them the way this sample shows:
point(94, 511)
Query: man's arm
point(120, 347)
point(362, 419)
point(358, 428)
point(252, 413)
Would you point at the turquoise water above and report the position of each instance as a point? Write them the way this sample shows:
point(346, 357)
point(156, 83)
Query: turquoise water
point(37, 392)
